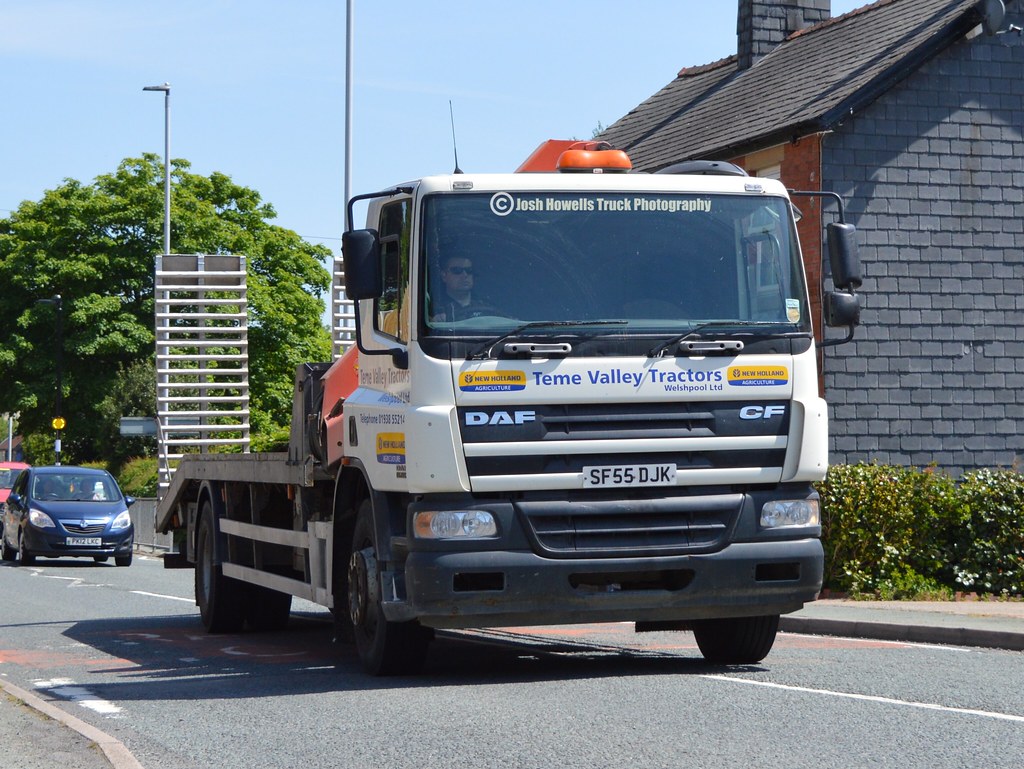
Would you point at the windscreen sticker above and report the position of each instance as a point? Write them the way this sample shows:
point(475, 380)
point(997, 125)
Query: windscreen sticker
point(793, 310)
point(391, 448)
point(503, 204)
point(758, 376)
point(492, 381)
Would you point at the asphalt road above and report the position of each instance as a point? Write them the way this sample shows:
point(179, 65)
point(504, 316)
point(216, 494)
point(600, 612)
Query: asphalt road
point(123, 650)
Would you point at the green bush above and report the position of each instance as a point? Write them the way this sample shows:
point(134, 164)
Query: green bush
point(989, 548)
point(139, 477)
point(884, 529)
point(895, 532)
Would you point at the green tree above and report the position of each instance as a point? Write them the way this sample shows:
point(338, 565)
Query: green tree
point(95, 246)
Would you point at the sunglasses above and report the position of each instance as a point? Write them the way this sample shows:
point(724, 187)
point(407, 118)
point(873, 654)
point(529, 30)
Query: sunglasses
point(460, 270)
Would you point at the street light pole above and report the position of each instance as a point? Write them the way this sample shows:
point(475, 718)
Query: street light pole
point(58, 419)
point(166, 88)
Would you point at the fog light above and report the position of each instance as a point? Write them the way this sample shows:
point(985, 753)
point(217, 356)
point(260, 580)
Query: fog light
point(451, 524)
point(790, 512)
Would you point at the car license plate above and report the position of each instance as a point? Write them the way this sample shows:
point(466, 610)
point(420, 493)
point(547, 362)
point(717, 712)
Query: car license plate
point(84, 541)
point(629, 475)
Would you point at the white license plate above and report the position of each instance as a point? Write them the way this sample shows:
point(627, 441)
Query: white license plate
point(84, 541)
point(629, 475)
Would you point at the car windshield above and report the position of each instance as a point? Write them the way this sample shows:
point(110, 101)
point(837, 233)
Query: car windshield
point(7, 477)
point(653, 262)
point(74, 487)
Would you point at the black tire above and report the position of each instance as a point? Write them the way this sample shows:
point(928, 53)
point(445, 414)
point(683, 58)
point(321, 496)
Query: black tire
point(25, 558)
point(385, 648)
point(122, 560)
point(266, 609)
point(6, 552)
point(736, 640)
point(221, 599)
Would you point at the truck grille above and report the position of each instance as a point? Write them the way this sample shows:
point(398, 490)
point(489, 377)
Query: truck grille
point(547, 447)
point(649, 525)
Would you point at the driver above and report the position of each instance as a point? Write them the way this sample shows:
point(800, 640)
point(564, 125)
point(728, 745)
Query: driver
point(456, 301)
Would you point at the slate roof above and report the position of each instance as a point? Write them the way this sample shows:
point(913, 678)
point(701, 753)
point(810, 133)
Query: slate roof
point(809, 83)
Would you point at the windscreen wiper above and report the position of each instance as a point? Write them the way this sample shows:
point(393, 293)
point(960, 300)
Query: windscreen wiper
point(701, 345)
point(562, 348)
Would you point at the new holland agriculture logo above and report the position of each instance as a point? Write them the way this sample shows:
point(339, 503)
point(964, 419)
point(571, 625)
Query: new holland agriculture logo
point(758, 376)
point(492, 381)
point(391, 448)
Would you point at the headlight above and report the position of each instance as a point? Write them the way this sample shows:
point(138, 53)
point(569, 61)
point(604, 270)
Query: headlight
point(450, 524)
point(123, 521)
point(39, 519)
point(790, 512)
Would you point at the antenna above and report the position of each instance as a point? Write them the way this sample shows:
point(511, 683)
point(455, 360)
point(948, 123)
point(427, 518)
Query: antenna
point(455, 146)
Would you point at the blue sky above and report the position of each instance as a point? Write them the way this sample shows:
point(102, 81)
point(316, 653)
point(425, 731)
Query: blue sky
point(258, 87)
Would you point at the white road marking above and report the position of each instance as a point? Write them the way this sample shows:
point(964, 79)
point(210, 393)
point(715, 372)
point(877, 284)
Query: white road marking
point(870, 698)
point(66, 689)
point(161, 595)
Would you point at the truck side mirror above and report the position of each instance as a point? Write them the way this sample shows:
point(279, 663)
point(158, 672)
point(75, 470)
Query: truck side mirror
point(843, 256)
point(360, 250)
point(841, 309)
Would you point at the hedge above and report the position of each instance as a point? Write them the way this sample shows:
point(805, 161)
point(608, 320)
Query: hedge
point(898, 532)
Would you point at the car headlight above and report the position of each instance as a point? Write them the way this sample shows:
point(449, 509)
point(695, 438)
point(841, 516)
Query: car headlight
point(39, 519)
point(450, 524)
point(790, 512)
point(123, 521)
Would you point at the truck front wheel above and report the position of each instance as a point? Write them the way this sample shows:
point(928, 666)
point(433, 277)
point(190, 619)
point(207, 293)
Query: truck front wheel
point(736, 640)
point(221, 599)
point(385, 648)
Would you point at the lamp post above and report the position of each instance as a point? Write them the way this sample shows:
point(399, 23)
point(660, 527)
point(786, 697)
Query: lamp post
point(58, 419)
point(166, 88)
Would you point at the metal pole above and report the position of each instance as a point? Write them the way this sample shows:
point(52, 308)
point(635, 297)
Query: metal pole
point(167, 170)
point(166, 88)
point(10, 438)
point(349, 37)
point(60, 374)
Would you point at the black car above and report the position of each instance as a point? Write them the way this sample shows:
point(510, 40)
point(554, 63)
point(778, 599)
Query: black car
point(62, 512)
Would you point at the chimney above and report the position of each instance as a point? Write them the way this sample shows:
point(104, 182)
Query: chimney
point(763, 24)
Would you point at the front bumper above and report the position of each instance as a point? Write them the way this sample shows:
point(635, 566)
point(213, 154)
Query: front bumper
point(503, 588)
point(48, 543)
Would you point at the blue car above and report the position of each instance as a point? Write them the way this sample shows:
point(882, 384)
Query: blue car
point(67, 512)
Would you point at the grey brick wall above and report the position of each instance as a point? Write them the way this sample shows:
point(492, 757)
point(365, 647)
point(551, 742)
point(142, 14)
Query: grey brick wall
point(933, 174)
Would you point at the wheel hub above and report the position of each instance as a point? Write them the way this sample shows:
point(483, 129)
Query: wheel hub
point(363, 591)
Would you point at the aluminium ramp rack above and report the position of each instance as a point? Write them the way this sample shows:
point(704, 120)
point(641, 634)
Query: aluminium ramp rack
point(202, 357)
point(343, 313)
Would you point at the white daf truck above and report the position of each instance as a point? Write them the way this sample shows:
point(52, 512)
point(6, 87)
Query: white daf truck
point(583, 395)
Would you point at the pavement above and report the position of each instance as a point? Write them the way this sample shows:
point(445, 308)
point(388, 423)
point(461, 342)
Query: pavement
point(41, 734)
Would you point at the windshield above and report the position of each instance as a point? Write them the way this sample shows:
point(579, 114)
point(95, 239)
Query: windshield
point(653, 262)
point(74, 487)
point(7, 477)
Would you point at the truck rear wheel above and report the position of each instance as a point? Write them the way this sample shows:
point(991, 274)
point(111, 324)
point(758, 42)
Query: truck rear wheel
point(385, 648)
point(267, 609)
point(221, 599)
point(736, 640)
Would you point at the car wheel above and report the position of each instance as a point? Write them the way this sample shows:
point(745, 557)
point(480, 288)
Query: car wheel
point(385, 648)
point(25, 558)
point(122, 560)
point(6, 551)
